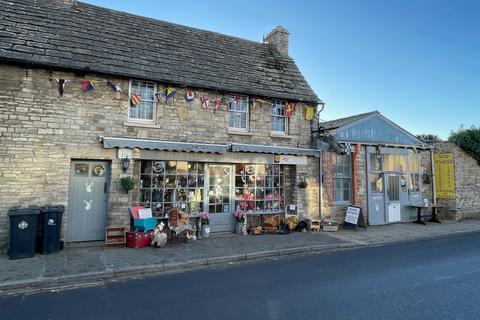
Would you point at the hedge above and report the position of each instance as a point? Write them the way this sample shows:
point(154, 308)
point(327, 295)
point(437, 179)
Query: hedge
point(468, 140)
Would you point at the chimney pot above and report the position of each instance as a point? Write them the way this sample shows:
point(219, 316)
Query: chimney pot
point(278, 37)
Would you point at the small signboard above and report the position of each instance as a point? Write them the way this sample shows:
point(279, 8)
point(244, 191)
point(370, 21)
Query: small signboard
point(291, 210)
point(354, 218)
point(124, 153)
point(289, 159)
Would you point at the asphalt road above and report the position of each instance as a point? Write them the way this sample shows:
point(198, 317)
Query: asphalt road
point(431, 279)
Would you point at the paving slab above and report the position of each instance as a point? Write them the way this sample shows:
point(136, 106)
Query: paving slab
point(76, 265)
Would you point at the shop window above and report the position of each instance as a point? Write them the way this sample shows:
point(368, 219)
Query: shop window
point(414, 182)
point(144, 110)
point(376, 182)
point(414, 168)
point(168, 184)
point(259, 188)
point(278, 117)
point(375, 162)
point(238, 113)
point(394, 163)
point(342, 179)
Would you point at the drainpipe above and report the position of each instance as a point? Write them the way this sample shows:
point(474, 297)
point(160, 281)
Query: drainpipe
point(320, 178)
point(432, 164)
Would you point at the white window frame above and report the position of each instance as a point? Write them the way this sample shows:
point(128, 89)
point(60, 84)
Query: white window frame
point(247, 113)
point(154, 109)
point(342, 178)
point(285, 119)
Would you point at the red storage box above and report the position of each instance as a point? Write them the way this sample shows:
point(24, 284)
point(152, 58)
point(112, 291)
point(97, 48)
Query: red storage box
point(139, 239)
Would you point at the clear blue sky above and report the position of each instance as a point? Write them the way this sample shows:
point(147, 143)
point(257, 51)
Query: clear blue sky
point(415, 61)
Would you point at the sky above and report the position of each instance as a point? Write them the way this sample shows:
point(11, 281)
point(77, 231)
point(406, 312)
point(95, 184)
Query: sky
point(415, 61)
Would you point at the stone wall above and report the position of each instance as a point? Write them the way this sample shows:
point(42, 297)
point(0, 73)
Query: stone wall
point(41, 132)
point(467, 185)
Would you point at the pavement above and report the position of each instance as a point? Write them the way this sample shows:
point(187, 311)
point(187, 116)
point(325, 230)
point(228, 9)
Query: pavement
point(93, 265)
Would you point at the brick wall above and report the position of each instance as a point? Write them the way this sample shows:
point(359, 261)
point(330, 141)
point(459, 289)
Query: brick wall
point(467, 182)
point(359, 187)
point(40, 132)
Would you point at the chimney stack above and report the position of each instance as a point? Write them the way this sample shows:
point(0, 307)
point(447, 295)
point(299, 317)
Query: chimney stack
point(278, 37)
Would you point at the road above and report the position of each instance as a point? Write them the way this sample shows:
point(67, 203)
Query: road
point(431, 279)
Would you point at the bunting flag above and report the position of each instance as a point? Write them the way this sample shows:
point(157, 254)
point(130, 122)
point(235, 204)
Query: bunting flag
point(289, 109)
point(189, 96)
point(88, 86)
point(261, 101)
point(158, 97)
point(218, 103)
point(61, 85)
point(205, 102)
point(235, 101)
point(115, 87)
point(170, 93)
point(253, 102)
point(135, 99)
point(309, 113)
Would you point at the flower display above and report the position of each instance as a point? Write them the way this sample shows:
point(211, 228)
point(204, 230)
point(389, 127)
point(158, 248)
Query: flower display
point(239, 216)
point(204, 218)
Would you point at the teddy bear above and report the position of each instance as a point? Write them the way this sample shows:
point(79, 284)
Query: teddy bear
point(159, 236)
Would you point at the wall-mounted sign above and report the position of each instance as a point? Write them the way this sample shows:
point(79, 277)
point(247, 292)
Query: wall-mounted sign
point(444, 176)
point(136, 153)
point(288, 159)
point(125, 153)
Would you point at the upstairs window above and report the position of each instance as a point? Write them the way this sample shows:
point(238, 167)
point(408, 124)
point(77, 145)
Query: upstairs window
point(278, 117)
point(144, 110)
point(238, 113)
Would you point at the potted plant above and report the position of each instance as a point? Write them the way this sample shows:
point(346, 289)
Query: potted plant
point(239, 221)
point(303, 184)
point(127, 183)
point(427, 177)
point(204, 219)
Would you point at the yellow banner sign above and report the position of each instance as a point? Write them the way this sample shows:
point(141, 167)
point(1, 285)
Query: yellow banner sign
point(444, 176)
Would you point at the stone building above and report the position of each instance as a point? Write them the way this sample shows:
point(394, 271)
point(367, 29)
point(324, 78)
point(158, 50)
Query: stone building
point(200, 120)
point(372, 163)
point(464, 201)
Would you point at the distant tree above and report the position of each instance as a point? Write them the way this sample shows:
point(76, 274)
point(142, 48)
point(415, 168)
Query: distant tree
point(429, 138)
point(468, 140)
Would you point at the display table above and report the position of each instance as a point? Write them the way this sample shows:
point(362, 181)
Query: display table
point(419, 213)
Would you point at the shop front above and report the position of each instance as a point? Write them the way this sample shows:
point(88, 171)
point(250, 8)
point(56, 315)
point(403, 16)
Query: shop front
point(217, 179)
point(374, 164)
point(216, 188)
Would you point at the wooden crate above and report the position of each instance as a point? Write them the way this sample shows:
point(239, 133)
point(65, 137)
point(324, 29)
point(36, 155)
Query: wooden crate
point(313, 225)
point(329, 225)
point(115, 236)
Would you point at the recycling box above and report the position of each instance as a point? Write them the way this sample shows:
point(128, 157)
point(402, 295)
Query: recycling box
point(23, 227)
point(50, 220)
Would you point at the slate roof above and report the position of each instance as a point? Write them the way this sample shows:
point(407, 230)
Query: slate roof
point(337, 123)
point(100, 40)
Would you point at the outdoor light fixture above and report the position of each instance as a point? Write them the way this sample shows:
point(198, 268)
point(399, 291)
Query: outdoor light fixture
point(126, 163)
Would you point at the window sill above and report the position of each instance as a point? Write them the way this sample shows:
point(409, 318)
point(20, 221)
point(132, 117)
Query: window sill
point(240, 133)
point(141, 124)
point(280, 135)
point(342, 204)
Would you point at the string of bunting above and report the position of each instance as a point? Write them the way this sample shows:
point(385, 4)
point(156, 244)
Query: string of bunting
point(169, 94)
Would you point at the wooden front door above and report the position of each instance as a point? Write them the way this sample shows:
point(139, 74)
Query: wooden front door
point(88, 200)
